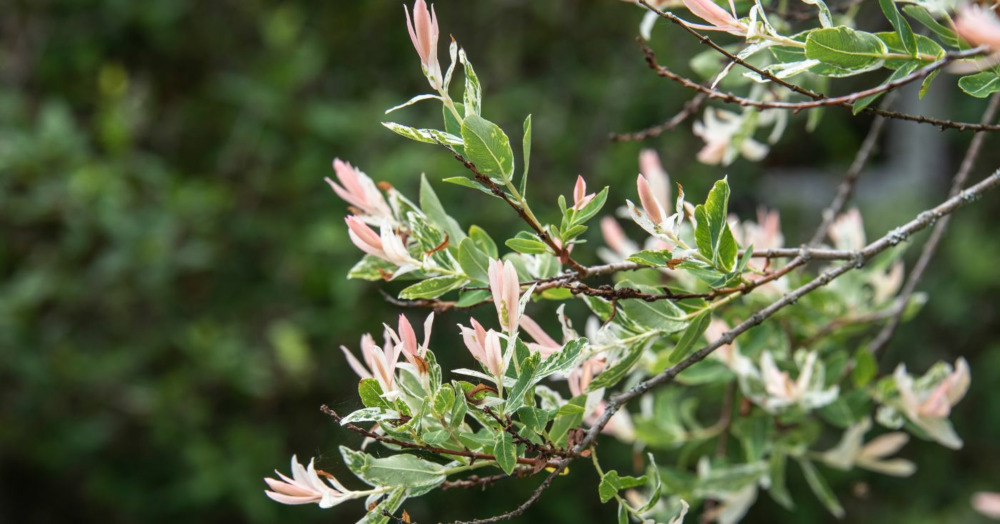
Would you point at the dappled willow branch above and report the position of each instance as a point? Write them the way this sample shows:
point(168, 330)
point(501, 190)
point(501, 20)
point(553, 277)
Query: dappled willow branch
point(560, 251)
point(846, 187)
point(474, 481)
point(573, 281)
point(920, 119)
point(430, 449)
point(930, 247)
point(845, 100)
point(894, 237)
point(690, 108)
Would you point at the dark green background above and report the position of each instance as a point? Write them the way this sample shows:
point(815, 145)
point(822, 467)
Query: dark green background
point(172, 266)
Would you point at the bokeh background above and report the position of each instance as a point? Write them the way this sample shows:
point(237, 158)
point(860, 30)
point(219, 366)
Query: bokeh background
point(172, 265)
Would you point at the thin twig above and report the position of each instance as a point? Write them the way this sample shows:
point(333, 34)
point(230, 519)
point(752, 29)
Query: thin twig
point(840, 323)
point(942, 124)
point(846, 187)
point(560, 251)
point(421, 447)
point(535, 495)
point(894, 237)
point(884, 336)
point(474, 481)
point(690, 108)
point(844, 100)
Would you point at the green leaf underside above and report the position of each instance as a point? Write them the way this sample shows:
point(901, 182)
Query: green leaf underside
point(846, 48)
point(980, 85)
point(432, 287)
point(488, 147)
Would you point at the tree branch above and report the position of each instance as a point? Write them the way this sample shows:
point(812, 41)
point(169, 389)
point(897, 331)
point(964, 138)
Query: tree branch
point(894, 237)
point(560, 251)
point(690, 108)
point(943, 124)
point(844, 100)
point(930, 248)
point(846, 187)
point(421, 447)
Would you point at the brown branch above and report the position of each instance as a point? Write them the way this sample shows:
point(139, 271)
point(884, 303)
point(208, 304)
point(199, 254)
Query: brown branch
point(894, 237)
point(474, 481)
point(840, 323)
point(846, 187)
point(930, 247)
point(535, 495)
point(560, 251)
point(942, 124)
point(422, 447)
point(689, 109)
point(616, 402)
point(844, 100)
point(572, 281)
point(439, 306)
point(508, 426)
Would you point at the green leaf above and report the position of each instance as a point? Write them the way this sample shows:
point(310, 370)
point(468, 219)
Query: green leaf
point(525, 380)
point(431, 206)
point(487, 147)
point(564, 359)
point(568, 417)
point(865, 367)
point(471, 298)
point(370, 415)
point(843, 47)
point(611, 484)
point(528, 246)
point(469, 183)
point(534, 419)
point(779, 488)
point(821, 489)
point(459, 408)
point(389, 504)
point(715, 240)
point(371, 394)
point(980, 85)
point(922, 15)
point(661, 315)
point(690, 335)
point(655, 483)
point(412, 101)
point(613, 374)
point(848, 409)
point(368, 268)
point(754, 433)
point(505, 452)
point(926, 84)
point(861, 103)
point(401, 470)
point(901, 26)
point(588, 211)
point(444, 400)
point(473, 95)
point(451, 123)
point(526, 147)
point(925, 46)
point(427, 136)
point(433, 287)
point(651, 258)
point(483, 241)
point(436, 437)
point(474, 263)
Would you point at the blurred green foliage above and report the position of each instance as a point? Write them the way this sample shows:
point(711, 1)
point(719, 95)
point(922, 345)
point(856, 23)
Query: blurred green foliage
point(172, 266)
